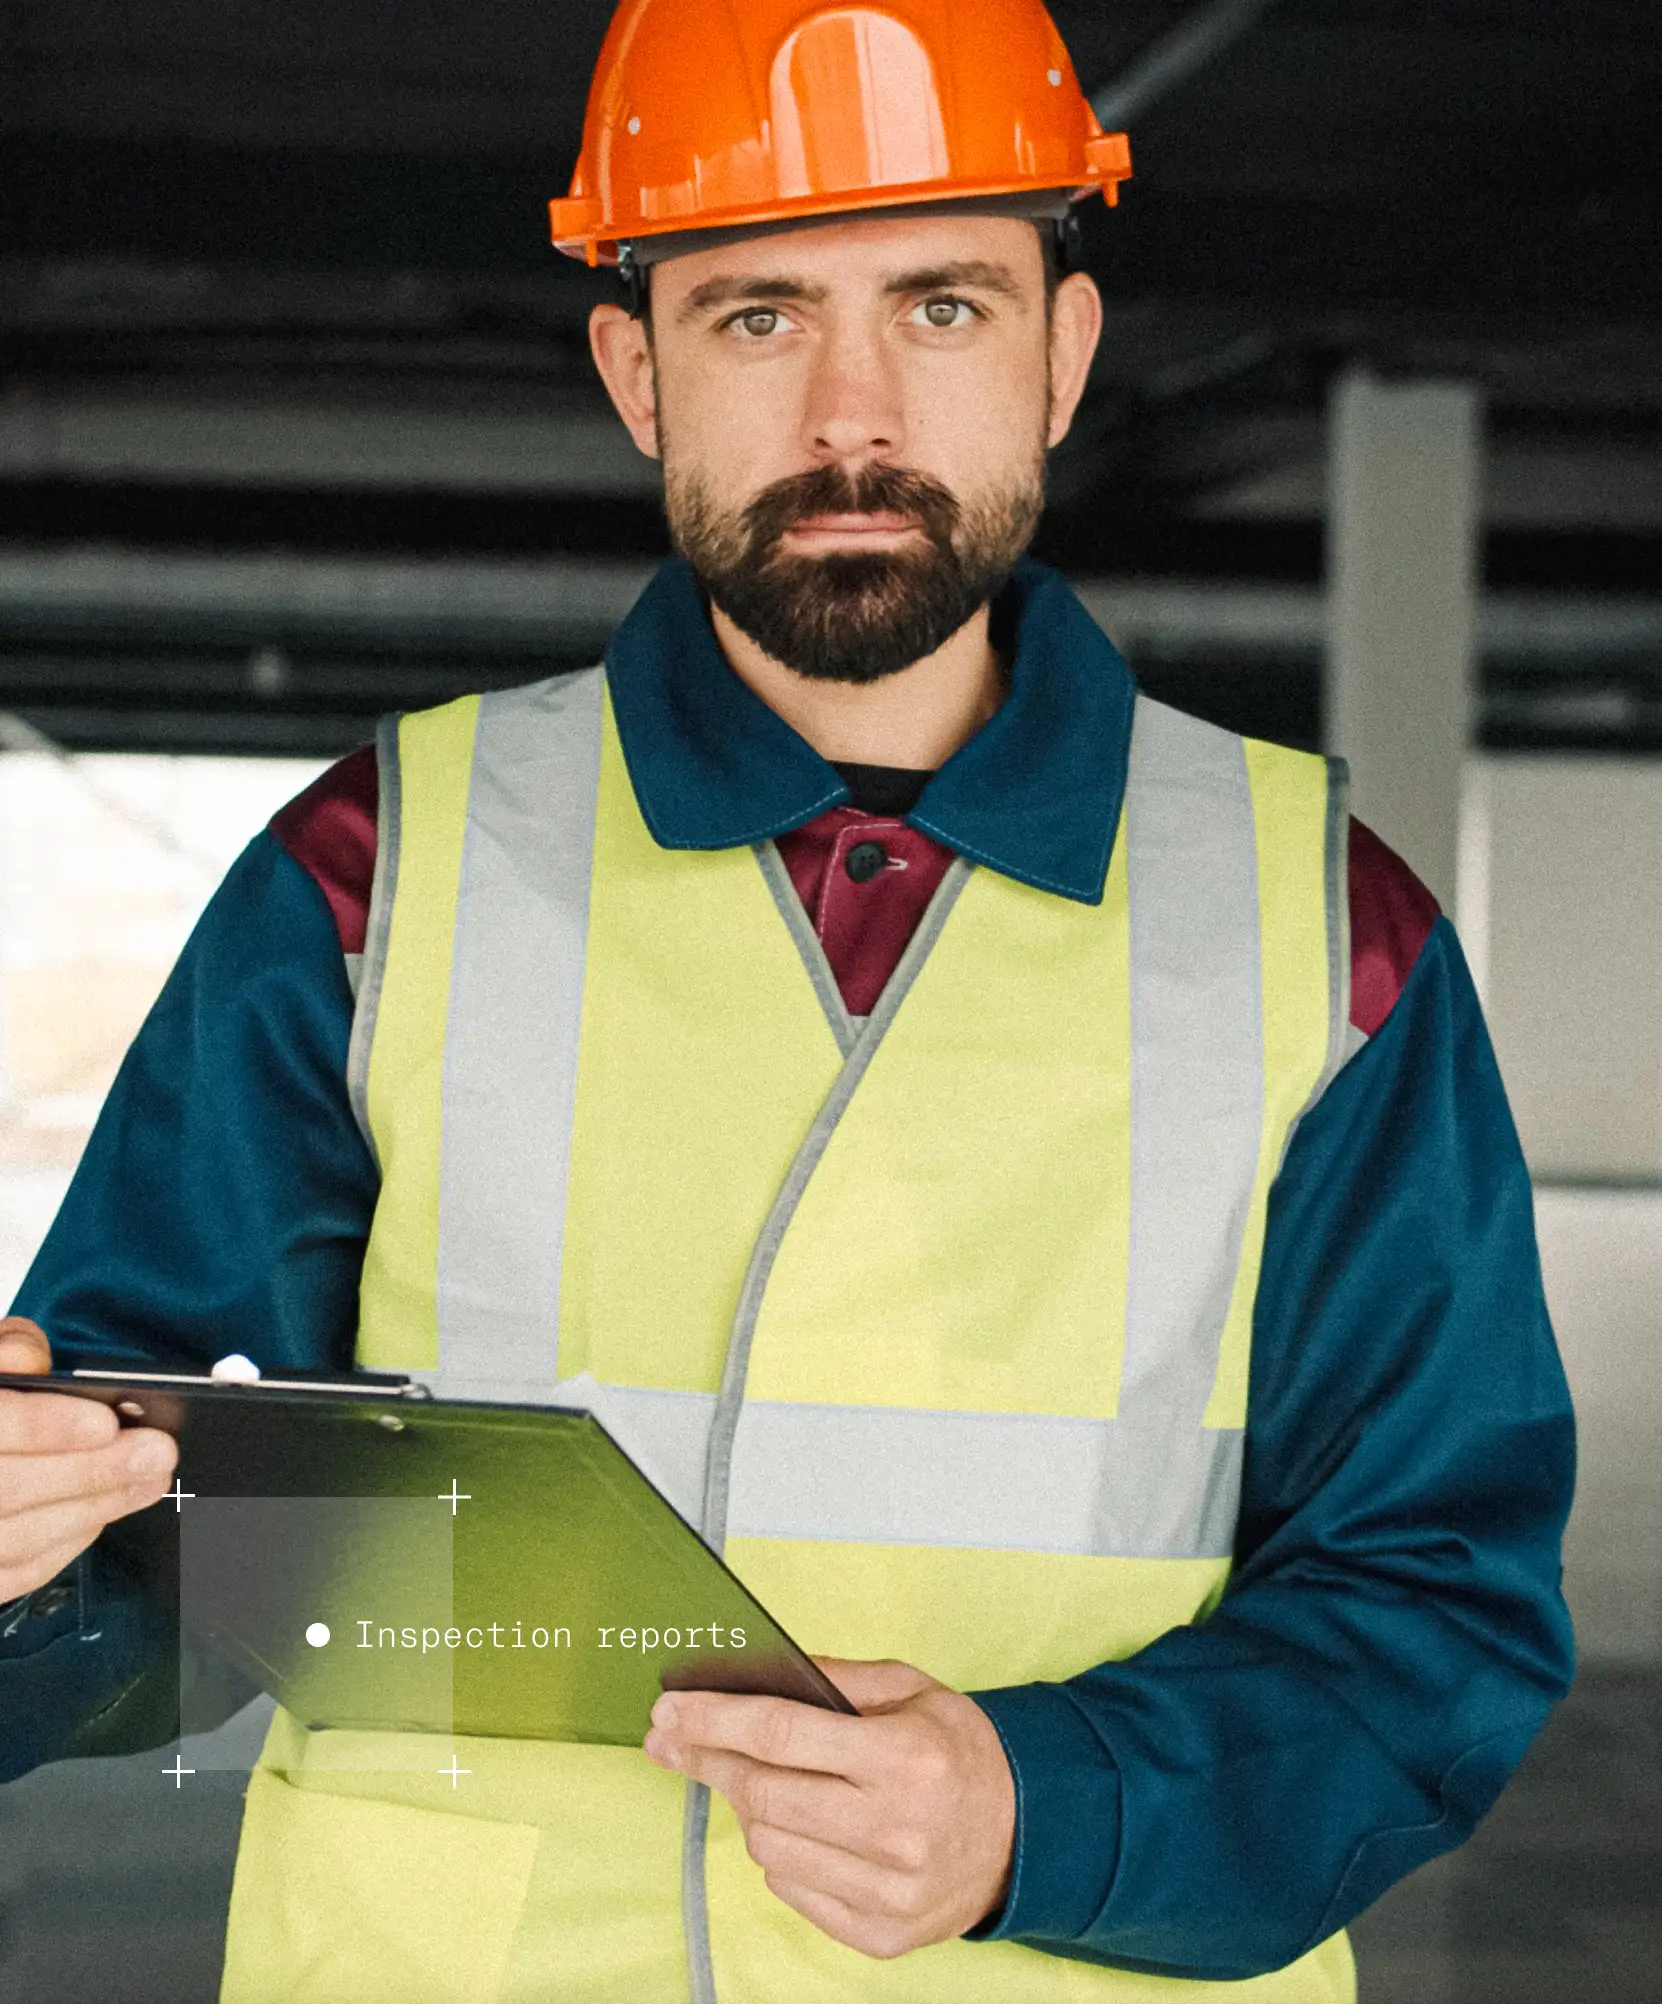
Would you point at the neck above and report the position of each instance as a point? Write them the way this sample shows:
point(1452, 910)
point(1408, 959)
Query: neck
point(917, 717)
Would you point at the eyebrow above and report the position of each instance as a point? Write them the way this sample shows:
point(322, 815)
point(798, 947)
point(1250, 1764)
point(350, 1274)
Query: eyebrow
point(964, 275)
point(723, 291)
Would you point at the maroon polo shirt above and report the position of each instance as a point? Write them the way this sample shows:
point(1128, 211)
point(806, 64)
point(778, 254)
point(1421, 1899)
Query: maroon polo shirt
point(865, 877)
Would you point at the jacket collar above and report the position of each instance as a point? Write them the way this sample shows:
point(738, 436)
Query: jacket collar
point(1035, 794)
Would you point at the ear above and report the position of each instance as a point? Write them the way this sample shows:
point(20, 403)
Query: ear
point(623, 354)
point(1075, 329)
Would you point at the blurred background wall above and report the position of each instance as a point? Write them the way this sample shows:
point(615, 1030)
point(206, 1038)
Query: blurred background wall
point(297, 426)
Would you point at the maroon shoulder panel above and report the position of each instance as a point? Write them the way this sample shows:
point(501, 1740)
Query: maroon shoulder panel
point(329, 830)
point(1391, 916)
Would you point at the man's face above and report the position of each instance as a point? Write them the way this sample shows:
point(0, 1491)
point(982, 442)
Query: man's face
point(853, 420)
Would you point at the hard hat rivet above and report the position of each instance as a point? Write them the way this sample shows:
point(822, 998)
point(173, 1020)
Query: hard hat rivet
point(1054, 75)
point(634, 125)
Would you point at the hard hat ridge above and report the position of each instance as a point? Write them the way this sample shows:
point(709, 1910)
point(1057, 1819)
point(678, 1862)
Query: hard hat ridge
point(708, 114)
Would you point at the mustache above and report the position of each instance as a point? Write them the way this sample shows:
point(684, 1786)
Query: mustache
point(830, 490)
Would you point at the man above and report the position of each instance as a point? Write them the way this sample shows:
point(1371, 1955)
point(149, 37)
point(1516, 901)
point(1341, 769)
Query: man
point(1037, 1159)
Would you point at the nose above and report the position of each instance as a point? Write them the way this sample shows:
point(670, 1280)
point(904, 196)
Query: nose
point(853, 411)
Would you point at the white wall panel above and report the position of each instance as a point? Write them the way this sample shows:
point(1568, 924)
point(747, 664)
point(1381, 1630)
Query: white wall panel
point(1561, 913)
point(1601, 1257)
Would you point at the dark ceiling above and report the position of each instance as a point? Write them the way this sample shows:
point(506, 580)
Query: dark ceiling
point(276, 278)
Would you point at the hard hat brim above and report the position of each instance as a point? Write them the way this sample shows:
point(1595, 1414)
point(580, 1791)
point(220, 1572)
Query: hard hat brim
point(920, 199)
point(1035, 205)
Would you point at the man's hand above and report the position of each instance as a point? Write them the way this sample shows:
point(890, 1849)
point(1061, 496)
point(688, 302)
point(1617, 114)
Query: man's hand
point(67, 1467)
point(888, 1831)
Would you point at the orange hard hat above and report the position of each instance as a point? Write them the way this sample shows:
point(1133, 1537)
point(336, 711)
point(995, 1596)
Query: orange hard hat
point(716, 114)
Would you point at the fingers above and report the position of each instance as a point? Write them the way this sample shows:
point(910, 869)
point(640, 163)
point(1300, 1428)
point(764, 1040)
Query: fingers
point(54, 1505)
point(777, 1731)
point(876, 1686)
point(16, 1581)
point(37, 1543)
point(53, 1423)
point(139, 1462)
point(817, 1805)
point(862, 1886)
point(23, 1346)
point(875, 1935)
point(43, 1422)
point(40, 1543)
point(66, 1467)
point(887, 1831)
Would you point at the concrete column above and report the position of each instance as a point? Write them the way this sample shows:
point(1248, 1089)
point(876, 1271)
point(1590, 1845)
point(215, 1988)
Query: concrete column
point(1404, 466)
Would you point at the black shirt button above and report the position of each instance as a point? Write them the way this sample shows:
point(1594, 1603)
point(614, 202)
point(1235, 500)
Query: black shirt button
point(864, 861)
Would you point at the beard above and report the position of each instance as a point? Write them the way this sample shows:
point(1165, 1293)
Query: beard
point(849, 616)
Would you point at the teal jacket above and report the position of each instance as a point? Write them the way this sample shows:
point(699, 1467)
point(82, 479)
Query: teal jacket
point(1393, 1634)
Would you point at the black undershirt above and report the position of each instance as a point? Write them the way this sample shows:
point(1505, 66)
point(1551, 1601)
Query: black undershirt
point(889, 790)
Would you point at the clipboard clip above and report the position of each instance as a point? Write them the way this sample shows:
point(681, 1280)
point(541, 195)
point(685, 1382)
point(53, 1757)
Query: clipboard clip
point(242, 1373)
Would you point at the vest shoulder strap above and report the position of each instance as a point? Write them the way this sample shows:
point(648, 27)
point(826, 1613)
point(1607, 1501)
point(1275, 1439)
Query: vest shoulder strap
point(1301, 815)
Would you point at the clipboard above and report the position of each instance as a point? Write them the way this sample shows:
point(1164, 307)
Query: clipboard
point(367, 1508)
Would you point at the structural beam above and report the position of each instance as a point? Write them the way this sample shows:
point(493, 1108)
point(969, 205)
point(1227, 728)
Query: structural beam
point(498, 439)
point(1197, 40)
point(484, 602)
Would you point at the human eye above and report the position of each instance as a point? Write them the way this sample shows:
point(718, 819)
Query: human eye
point(755, 323)
point(942, 312)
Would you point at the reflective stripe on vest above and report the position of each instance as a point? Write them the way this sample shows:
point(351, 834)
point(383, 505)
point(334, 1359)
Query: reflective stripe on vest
point(1150, 1481)
point(941, 1324)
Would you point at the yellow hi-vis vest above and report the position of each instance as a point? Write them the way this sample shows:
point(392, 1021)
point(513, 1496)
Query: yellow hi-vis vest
point(941, 1320)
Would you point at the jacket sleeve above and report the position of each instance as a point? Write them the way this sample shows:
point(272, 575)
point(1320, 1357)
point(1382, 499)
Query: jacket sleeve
point(223, 1203)
point(1393, 1634)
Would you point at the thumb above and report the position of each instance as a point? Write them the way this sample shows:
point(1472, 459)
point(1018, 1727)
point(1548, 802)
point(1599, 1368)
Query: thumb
point(23, 1347)
point(876, 1686)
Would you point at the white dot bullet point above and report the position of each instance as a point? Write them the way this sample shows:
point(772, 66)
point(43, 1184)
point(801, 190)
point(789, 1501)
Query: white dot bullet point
point(318, 1634)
